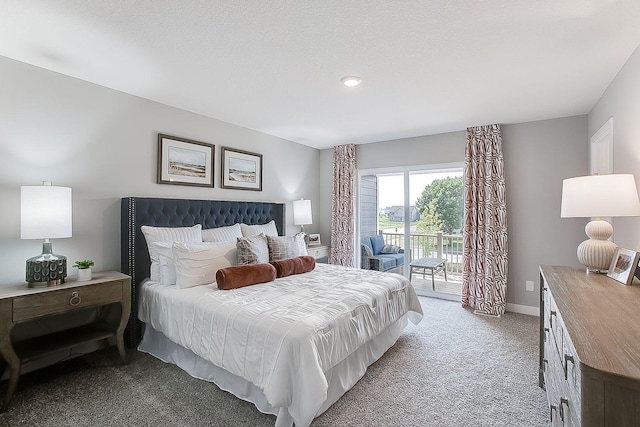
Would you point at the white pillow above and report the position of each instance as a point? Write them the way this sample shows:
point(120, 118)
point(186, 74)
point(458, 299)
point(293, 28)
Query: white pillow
point(167, 234)
point(222, 234)
point(198, 263)
point(163, 264)
point(283, 247)
point(268, 229)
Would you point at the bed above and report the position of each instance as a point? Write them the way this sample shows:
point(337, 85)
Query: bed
point(292, 346)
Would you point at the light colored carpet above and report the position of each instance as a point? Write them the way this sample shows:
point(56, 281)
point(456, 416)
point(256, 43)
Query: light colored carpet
point(453, 369)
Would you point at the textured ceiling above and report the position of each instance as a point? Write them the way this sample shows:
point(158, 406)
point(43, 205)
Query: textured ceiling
point(275, 66)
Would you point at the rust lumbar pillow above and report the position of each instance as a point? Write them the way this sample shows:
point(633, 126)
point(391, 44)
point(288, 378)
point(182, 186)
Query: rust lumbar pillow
point(244, 275)
point(297, 265)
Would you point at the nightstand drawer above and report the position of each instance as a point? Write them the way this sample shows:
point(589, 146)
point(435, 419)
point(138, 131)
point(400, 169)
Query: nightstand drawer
point(318, 251)
point(60, 301)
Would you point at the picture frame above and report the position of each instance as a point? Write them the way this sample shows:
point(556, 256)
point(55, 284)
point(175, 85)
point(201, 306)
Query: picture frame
point(314, 239)
point(624, 265)
point(240, 170)
point(184, 161)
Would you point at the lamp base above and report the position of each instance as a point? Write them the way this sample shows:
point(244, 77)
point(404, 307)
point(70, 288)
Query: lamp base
point(47, 269)
point(597, 252)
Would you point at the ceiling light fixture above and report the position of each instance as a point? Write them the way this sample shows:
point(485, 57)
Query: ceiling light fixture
point(351, 81)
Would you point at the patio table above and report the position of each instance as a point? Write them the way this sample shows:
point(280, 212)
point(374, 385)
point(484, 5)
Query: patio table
point(436, 265)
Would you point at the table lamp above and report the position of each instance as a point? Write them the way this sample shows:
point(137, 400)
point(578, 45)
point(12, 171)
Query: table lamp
point(45, 213)
point(599, 196)
point(302, 215)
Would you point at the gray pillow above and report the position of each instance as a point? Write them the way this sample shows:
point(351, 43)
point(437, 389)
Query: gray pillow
point(252, 250)
point(390, 249)
point(283, 247)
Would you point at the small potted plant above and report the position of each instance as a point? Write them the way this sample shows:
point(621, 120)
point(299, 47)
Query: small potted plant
point(84, 269)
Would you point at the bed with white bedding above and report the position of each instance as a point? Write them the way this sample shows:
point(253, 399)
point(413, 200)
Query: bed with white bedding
point(292, 346)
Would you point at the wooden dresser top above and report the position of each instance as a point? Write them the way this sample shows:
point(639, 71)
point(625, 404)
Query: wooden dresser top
point(602, 317)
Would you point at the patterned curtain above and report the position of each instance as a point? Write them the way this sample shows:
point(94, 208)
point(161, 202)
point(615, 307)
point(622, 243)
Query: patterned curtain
point(342, 206)
point(484, 271)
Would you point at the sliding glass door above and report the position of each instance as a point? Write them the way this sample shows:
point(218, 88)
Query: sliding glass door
point(418, 210)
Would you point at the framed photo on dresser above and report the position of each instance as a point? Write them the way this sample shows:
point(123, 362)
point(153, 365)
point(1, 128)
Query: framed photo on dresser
point(624, 265)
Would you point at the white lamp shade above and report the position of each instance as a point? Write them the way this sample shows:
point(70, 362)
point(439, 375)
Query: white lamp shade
point(302, 212)
point(45, 212)
point(600, 196)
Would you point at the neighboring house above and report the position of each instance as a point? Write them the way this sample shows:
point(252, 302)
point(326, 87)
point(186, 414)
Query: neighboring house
point(396, 213)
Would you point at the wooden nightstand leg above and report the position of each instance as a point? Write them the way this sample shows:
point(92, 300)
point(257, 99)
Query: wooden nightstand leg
point(124, 318)
point(14, 374)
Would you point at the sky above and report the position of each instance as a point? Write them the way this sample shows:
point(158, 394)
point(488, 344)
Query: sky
point(391, 187)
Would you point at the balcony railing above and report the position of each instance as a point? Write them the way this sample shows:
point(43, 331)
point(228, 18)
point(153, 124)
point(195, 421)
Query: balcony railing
point(436, 245)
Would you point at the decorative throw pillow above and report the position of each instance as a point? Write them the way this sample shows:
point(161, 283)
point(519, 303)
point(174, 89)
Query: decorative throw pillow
point(244, 275)
point(283, 247)
point(198, 263)
point(222, 234)
point(390, 249)
point(168, 234)
point(268, 229)
point(252, 250)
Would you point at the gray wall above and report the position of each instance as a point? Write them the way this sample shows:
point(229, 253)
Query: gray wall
point(103, 144)
point(538, 155)
point(621, 101)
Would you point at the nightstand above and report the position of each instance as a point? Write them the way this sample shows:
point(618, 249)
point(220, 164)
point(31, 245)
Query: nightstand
point(319, 252)
point(21, 304)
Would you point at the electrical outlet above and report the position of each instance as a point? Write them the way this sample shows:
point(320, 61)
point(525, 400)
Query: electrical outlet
point(529, 285)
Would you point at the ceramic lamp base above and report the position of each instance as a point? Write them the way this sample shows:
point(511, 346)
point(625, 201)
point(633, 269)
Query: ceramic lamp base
point(597, 252)
point(46, 269)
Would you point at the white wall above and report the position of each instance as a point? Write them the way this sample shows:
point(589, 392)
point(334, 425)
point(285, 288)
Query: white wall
point(538, 155)
point(621, 101)
point(103, 144)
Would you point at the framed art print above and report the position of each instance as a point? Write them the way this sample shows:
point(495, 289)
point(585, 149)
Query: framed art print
point(314, 239)
point(184, 161)
point(241, 170)
point(623, 265)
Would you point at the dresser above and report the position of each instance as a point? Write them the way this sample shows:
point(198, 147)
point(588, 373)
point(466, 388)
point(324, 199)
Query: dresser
point(20, 304)
point(589, 348)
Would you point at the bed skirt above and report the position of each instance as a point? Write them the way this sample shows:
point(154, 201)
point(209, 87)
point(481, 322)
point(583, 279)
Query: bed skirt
point(340, 378)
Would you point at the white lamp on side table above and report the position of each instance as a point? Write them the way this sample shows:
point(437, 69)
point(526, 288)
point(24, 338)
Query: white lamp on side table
point(302, 215)
point(45, 213)
point(599, 196)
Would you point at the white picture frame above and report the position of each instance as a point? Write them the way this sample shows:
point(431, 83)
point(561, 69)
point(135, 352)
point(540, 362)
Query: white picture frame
point(314, 239)
point(623, 265)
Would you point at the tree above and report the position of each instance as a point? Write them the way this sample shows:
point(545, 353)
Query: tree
point(443, 197)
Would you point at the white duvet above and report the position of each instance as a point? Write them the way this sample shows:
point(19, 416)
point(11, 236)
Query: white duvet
point(284, 335)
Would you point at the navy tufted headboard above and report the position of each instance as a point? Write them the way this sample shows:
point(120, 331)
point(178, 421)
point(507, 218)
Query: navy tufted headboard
point(138, 211)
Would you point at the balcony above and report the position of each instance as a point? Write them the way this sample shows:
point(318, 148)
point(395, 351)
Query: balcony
point(437, 245)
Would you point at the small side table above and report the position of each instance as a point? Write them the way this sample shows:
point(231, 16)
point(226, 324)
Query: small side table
point(436, 265)
point(18, 304)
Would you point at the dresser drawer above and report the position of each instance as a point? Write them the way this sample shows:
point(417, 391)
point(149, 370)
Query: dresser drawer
point(60, 301)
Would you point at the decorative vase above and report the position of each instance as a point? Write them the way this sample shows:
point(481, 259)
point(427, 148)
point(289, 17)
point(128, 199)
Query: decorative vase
point(84, 274)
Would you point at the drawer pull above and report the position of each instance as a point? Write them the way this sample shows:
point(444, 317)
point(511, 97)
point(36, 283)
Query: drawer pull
point(551, 409)
point(553, 313)
point(545, 362)
point(75, 298)
point(563, 402)
point(567, 358)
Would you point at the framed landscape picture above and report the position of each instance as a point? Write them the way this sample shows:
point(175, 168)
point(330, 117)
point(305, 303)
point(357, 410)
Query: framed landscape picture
point(241, 170)
point(184, 161)
point(623, 265)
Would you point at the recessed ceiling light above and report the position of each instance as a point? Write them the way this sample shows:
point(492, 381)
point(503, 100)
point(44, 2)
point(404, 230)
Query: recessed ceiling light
point(351, 81)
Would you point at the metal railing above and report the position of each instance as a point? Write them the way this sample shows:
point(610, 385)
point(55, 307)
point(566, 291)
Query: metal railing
point(437, 245)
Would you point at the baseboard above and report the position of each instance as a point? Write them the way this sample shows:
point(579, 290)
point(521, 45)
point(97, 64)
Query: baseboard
point(523, 309)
